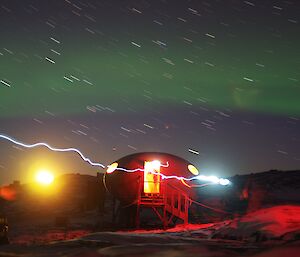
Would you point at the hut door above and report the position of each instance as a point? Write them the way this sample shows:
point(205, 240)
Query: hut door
point(151, 181)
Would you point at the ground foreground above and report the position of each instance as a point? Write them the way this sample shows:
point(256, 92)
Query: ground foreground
point(269, 232)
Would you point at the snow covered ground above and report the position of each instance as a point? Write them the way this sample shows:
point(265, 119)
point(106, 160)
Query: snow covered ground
point(274, 223)
point(268, 232)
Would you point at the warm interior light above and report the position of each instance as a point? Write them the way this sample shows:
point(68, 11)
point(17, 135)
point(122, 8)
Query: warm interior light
point(111, 168)
point(152, 181)
point(193, 169)
point(155, 164)
point(44, 177)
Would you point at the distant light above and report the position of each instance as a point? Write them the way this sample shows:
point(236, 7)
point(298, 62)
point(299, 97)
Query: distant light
point(193, 169)
point(202, 177)
point(44, 177)
point(224, 182)
point(214, 180)
point(111, 168)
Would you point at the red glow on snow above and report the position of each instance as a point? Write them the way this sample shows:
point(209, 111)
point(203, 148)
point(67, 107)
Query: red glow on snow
point(8, 193)
point(276, 220)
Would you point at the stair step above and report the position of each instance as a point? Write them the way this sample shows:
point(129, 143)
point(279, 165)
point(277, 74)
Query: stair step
point(152, 200)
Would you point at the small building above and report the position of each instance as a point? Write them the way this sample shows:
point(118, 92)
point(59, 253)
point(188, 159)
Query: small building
point(152, 181)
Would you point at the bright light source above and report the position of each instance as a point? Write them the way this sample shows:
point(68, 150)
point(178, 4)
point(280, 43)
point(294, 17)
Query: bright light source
point(111, 168)
point(202, 177)
point(224, 182)
point(155, 165)
point(193, 169)
point(44, 177)
point(214, 179)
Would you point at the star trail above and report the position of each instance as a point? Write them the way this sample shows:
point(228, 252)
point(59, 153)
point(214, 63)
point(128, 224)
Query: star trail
point(215, 83)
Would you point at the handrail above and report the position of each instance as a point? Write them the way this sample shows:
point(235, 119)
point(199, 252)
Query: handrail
point(171, 198)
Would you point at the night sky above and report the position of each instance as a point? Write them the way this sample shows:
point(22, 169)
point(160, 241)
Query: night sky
point(215, 82)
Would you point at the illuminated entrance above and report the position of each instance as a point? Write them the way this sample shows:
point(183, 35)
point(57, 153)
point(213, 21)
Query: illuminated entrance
point(152, 177)
point(166, 200)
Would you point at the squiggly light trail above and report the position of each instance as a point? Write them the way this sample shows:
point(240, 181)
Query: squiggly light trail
point(53, 149)
point(97, 164)
point(212, 179)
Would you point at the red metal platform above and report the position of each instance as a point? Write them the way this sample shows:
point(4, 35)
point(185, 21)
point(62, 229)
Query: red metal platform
point(169, 203)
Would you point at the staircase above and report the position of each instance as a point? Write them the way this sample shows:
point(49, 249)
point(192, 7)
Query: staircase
point(168, 204)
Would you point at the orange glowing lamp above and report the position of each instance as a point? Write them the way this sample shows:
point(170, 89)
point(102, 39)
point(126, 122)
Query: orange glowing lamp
point(44, 177)
point(111, 168)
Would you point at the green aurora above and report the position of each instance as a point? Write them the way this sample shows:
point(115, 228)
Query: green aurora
point(232, 74)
